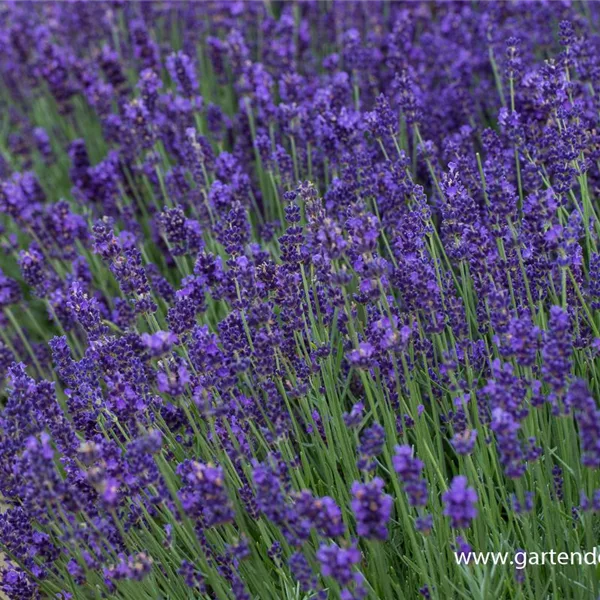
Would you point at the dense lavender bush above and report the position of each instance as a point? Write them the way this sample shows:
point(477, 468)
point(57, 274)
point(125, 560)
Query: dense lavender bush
point(298, 298)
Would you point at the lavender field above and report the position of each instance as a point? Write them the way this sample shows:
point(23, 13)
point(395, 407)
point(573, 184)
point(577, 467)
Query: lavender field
point(299, 300)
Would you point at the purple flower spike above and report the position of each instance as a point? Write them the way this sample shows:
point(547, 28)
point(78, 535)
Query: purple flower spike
point(182, 71)
point(460, 503)
point(372, 509)
point(159, 343)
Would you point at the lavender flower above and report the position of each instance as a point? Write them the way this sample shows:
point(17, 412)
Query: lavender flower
point(557, 352)
point(361, 357)
point(338, 562)
point(460, 503)
point(588, 419)
point(371, 446)
point(354, 417)
point(10, 292)
point(464, 442)
point(410, 471)
point(160, 342)
point(302, 572)
point(372, 509)
point(215, 239)
point(183, 73)
point(204, 495)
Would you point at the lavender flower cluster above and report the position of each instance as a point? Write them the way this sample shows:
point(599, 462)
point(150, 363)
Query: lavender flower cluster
point(297, 298)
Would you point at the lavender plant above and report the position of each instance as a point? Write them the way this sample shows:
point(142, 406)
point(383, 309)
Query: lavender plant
point(298, 299)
